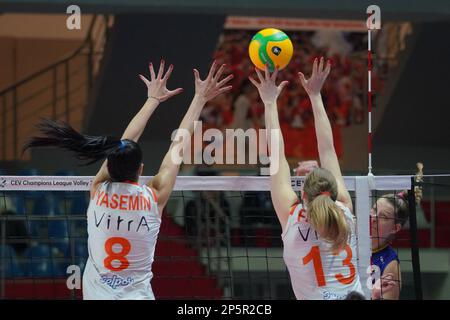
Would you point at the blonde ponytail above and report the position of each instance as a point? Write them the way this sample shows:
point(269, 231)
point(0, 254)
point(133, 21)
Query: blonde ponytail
point(323, 213)
point(329, 221)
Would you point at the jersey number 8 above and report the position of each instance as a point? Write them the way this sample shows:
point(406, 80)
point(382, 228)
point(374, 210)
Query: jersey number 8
point(117, 256)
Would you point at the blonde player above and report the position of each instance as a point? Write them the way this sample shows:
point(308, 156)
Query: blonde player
point(382, 229)
point(124, 217)
point(319, 232)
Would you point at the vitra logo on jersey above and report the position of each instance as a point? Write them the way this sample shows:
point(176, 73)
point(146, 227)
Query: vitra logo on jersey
point(116, 281)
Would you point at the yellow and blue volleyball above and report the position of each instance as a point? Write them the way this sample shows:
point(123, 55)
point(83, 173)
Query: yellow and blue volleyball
point(272, 47)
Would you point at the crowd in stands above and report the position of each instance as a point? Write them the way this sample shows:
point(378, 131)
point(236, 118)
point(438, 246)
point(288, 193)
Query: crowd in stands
point(343, 93)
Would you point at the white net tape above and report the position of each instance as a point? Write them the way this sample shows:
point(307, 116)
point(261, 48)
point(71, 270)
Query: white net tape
point(192, 183)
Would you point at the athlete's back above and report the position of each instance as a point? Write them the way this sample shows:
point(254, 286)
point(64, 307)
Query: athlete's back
point(123, 226)
point(316, 272)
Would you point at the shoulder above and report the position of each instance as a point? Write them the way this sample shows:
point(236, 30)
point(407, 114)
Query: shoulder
point(342, 205)
point(152, 192)
point(347, 211)
point(393, 268)
point(98, 187)
point(294, 211)
point(389, 251)
point(297, 214)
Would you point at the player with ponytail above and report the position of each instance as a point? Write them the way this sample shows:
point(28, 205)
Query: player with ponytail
point(318, 230)
point(124, 217)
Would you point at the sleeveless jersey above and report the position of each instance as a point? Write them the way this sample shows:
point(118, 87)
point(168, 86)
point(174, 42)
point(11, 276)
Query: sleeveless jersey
point(123, 226)
point(382, 257)
point(316, 272)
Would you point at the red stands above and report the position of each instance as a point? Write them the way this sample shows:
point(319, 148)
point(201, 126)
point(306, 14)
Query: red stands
point(442, 227)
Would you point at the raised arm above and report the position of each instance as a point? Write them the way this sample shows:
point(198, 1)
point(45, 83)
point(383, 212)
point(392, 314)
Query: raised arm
point(283, 196)
point(156, 92)
point(324, 134)
point(205, 90)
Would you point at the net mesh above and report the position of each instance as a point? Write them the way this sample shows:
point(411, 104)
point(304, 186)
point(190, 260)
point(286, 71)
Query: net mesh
point(219, 239)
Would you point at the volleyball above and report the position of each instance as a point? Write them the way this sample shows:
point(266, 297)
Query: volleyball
point(272, 47)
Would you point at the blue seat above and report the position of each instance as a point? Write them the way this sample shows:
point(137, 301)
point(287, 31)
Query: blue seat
point(26, 201)
point(81, 254)
point(45, 204)
point(39, 261)
point(37, 228)
point(81, 249)
point(58, 229)
point(79, 204)
point(78, 227)
point(60, 259)
point(61, 256)
point(8, 262)
point(44, 261)
point(17, 202)
point(8, 201)
point(70, 202)
point(62, 246)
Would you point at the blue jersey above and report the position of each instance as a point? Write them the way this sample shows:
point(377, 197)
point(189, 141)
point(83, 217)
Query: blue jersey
point(383, 257)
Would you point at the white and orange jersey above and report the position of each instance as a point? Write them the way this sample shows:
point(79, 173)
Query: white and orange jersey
point(123, 226)
point(316, 272)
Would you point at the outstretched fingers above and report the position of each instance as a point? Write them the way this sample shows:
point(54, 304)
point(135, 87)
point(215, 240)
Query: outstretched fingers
point(152, 71)
point(328, 68)
point(314, 69)
point(175, 92)
point(282, 85)
point(225, 89)
point(321, 65)
point(267, 72)
point(196, 75)
point(168, 73)
point(274, 74)
point(161, 69)
point(212, 71)
point(225, 80)
point(302, 78)
point(255, 83)
point(219, 72)
point(260, 76)
point(144, 79)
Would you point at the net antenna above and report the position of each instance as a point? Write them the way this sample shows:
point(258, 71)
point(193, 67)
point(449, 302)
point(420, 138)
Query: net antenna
point(373, 22)
point(418, 178)
point(365, 185)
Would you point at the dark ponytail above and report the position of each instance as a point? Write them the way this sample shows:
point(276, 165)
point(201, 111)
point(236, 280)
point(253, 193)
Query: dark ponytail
point(124, 156)
point(62, 135)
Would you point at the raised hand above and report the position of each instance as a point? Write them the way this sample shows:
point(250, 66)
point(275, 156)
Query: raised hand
point(268, 90)
point(157, 85)
point(211, 86)
point(320, 73)
point(305, 167)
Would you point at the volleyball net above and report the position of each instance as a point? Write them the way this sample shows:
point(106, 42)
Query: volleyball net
point(219, 239)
